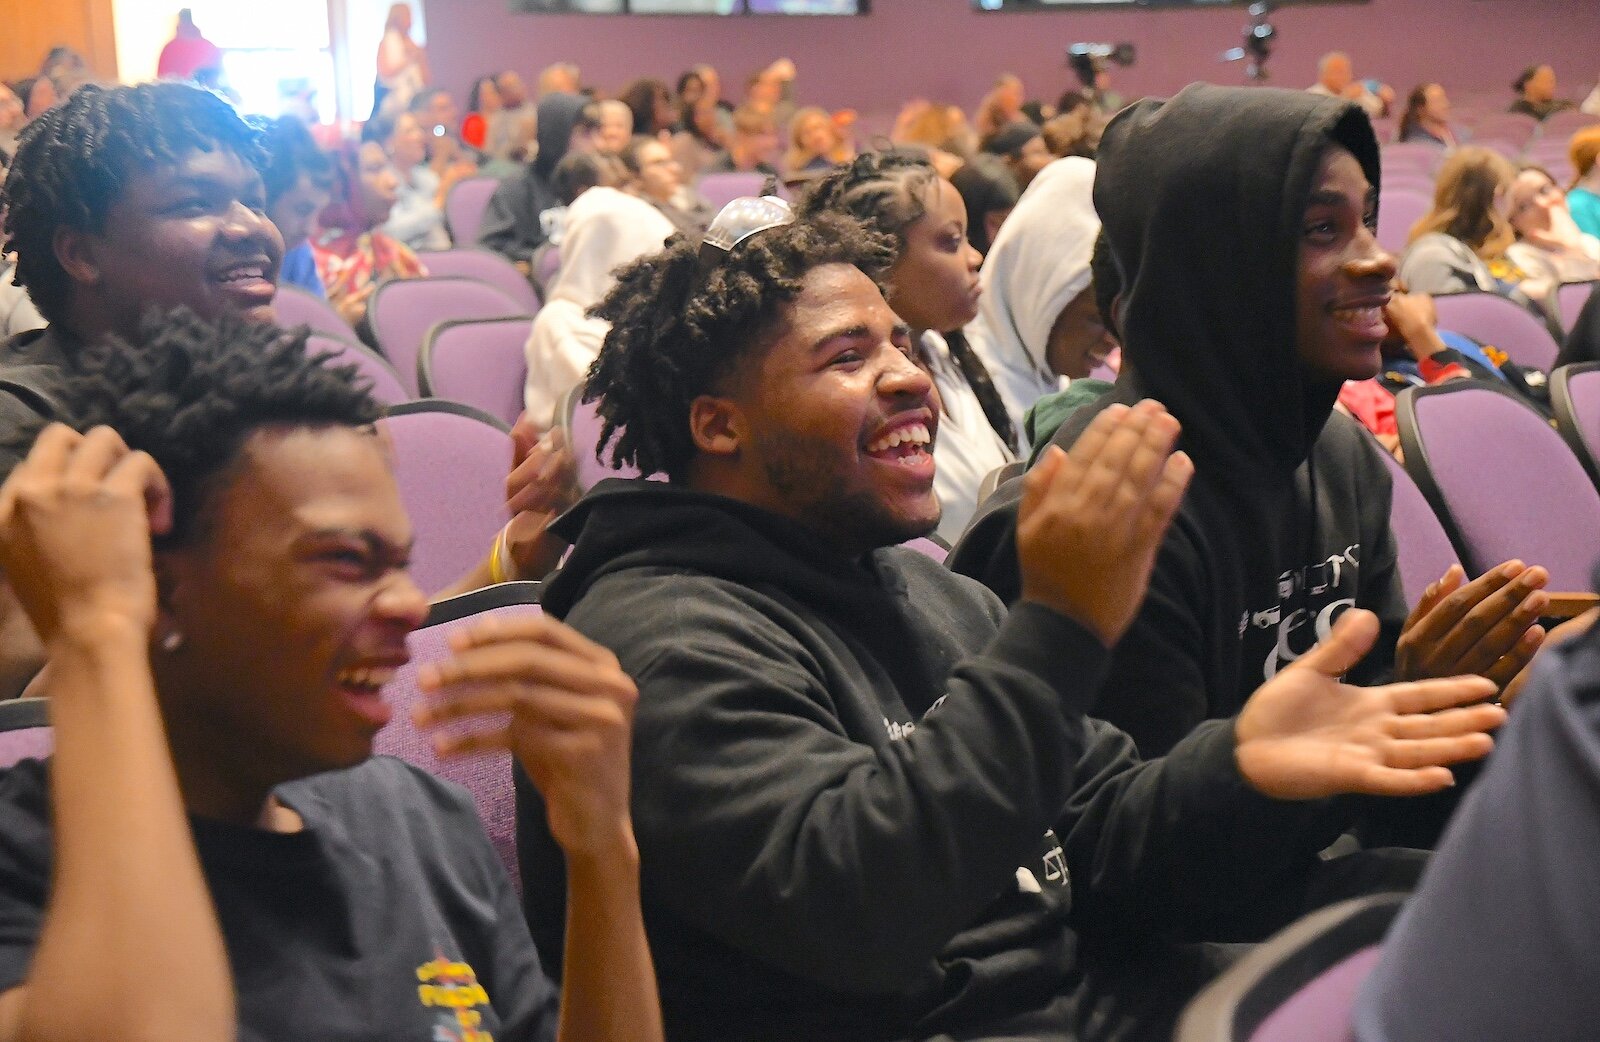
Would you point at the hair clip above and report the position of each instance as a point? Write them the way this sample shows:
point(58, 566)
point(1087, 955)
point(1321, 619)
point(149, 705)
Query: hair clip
point(739, 220)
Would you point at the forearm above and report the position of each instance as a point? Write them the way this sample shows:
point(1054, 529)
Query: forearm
point(609, 984)
point(130, 947)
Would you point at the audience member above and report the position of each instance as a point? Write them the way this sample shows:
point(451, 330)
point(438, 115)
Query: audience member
point(651, 104)
point(698, 144)
point(605, 229)
point(616, 126)
point(941, 131)
point(989, 192)
point(13, 118)
point(120, 200)
point(1074, 133)
point(1096, 87)
point(751, 148)
point(1021, 146)
point(515, 132)
point(1497, 942)
point(560, 78)
point(66, 69)
point(1001, 105)
point(1536, 93)
point(1460, 244)
point(655, 177)
point(771, 91)
point(1548, 242)
point(513, 224)
point(416, 217)
point(934, 287)
point(402, 64)
point(37, 94)
point(299, 180)
point(867, 800)
point(484, 109)
point(1427, 117)
point(1335, 79)
point(220, 573)
point(815, 144)
point(1037, 321)
point(188, 53)
point(1583, 198)
point(1286, 525)
point(354, 255)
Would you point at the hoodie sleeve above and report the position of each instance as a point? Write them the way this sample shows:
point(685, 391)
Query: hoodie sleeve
point(772, 817)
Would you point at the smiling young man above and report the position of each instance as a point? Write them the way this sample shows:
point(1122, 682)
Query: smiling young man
point(867, 800)
point(122, 199)
point(1253, 287)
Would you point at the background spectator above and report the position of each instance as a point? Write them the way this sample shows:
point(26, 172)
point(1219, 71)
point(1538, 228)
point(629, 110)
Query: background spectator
point(1536, 93)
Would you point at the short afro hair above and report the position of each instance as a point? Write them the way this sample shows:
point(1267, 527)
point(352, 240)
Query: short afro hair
point(74, 162)
point(677, 331)
point(289, 152)
point(190, 392)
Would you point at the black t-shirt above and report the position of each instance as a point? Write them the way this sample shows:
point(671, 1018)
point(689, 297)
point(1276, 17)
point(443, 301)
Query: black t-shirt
point(388, 918)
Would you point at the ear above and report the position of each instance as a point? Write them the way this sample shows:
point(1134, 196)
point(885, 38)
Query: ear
point(76, 251)
point(717, 426)
point(172, 568)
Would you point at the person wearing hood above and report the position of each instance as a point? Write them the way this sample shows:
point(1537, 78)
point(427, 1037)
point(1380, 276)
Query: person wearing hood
point(990, 193)
point(1253, 287)
point(1037, 321)
point(513, 225)
point(605, 229)
point(867, 800)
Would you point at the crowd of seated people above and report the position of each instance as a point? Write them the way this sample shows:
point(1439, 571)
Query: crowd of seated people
point(779, 776)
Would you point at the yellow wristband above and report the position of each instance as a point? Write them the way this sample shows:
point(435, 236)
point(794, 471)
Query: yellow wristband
point(499, 567)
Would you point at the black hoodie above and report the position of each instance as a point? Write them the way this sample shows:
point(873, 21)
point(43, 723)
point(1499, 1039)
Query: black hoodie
point(1286, 522)
point(512, 224)
point(839, 767)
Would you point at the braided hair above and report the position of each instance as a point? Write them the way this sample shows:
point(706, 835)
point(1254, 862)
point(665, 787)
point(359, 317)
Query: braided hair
point(886, 191)
point(678, 330)
point(74, 162)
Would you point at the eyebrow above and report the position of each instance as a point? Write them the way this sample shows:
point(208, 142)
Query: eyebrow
point(374, 542)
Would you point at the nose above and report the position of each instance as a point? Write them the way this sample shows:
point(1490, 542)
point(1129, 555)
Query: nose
point(1369, 259)
point(402, 602)
point(974, 258)
point(243, 222)
point(903, 378)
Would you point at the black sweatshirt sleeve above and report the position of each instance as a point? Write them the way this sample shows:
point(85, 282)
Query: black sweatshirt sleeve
point(503, 227)
point(765, 824)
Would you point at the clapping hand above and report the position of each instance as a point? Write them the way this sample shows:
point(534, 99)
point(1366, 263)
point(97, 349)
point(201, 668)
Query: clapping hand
point(1304, 735)
point(1488, 626)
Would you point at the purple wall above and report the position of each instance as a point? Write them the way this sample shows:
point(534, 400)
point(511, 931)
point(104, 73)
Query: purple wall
point(944, 50)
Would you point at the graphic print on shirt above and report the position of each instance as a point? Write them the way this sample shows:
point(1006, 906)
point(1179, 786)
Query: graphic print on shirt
point(1310, 600)
point(1052, 871)
point(451, 988)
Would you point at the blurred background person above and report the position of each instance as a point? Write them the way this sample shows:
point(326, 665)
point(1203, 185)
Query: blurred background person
point(402, 64)
point(1427, 117)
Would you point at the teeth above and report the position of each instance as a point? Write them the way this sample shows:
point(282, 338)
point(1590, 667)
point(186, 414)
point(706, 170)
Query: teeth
point(916, 434)
point(1359, 314)
point(366, 677)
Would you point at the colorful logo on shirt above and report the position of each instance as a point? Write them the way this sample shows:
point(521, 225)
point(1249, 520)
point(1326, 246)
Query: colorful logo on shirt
point(453, 990)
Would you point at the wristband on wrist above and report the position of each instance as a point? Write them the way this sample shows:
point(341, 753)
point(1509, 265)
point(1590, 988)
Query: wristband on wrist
point(501, 567)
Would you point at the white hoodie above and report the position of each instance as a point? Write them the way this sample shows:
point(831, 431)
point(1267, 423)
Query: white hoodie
point(1038, 264)
point(605, 230)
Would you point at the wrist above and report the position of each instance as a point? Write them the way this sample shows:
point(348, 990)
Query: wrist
point(606, 854)
point(96, 633)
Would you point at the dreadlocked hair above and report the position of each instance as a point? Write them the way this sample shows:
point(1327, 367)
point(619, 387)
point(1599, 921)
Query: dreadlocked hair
point(677, 332)
point(74, 162)
point(190, 392)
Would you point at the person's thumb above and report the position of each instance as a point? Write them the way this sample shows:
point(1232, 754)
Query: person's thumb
point(1350, 640)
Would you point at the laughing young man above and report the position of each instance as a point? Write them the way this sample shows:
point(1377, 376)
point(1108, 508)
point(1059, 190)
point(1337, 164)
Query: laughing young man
point(1243, 224)
point(119, 200)
point(867, 799)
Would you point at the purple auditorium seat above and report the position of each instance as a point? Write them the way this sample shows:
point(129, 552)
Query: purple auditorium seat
point(1299, 985)
point(464, 208)
point(929, 547)
point(450, 461)
point(486, 775)
point(485, 266)
point(479, 362)
point(1398, 209)
point(295, 307)
point(722, 189)
point(1501, 480)
point(1422, 546)
point(1514, 127)
point(1571, 297)
point(402, 311)
point(386, 387)
point(25, 732)
point(1421, 156)
point(1575, 397)
point(1494, 320)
